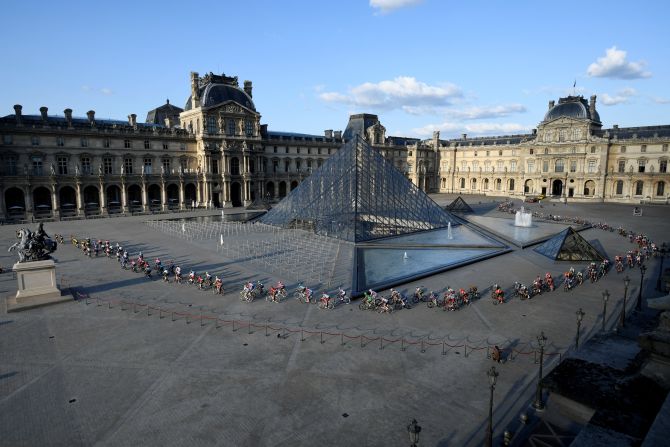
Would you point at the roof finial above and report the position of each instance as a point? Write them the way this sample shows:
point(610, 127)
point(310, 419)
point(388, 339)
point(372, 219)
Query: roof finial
point(167, 101)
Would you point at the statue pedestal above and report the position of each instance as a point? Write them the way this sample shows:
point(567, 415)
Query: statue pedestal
point(36, 286)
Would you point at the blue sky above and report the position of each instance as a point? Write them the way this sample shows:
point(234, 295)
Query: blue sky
point(477, 67)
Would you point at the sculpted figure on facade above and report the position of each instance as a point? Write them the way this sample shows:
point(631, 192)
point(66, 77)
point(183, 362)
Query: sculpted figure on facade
point(35, 246)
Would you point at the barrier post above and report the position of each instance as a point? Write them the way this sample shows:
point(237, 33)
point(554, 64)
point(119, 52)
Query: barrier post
point(172, 315)
point(201, 323)
point(160, 313)
point(122, 303)
point(134, 307)
point(109, 303)
point(423, 349)
point(466, 350)
point(402, 343)
point(302, 336)
point(234, 326)
point(322, 342)
point(188, 321)
point(148, 310)
point(361, 341)
point(98, 302)
point(217, 325)
point(342, 339)
point(443, 348)
point(381, 343)
point(249, 325)
point(266, 330)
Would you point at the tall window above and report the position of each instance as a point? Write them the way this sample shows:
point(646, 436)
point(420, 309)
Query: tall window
point(561, 135)
point(475, 166)
point(147, 144)
point(545, 165)
point(7, 139)
point(126, 144)
point(10, 165)
point(166, 165)
point(60, 141)
point(638, 188)
point(298, 165)
point(593, 149)
point(62, 165)
point(511, 184)
point(532, 151)
point(37, 165)
point(107, 165)
point(84, 142)
point(128, 165)
point(663, 166)
point(165, 146)
point(500, 166)
point(623, 149)
point(643, 148)
point(235, 166)
point(641, 164)
point(512, 166)
point(211, 124)
point(275, 166)
point(147, 165)
point(462, 183)
point(619, 187)
point(248, 127)
point(230, 126)
point(183, 164)
point(106, 142)
point(621, 167)
point(531, 166)
point(487, 166)
point(560, 165)
point(464, 166)
point(35, 140)
point(85, 165)
point(660, 188)
point(286, 165)
point(573, 165)
point(592, 166)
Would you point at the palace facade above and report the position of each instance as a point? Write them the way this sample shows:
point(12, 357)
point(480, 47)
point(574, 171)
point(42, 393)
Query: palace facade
point(216, 153)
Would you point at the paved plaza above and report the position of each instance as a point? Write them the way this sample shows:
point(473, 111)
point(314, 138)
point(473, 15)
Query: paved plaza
point(141, 362)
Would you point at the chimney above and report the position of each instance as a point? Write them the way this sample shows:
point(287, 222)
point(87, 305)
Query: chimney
point(247, 88)
point(534, 131)
point(328, 133)
point(195, 90)
point(132, 119)
point(551, 104)
point(17, 113)
point(337, 134)
point(464, 136)
point(592, 106)
point(615, 126)
point(68, 117)
point(91, 117)
point(45, 117)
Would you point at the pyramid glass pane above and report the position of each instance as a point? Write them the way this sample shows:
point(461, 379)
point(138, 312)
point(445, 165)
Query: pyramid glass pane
point(459, 205)
point(569, 245)
point(358, 196)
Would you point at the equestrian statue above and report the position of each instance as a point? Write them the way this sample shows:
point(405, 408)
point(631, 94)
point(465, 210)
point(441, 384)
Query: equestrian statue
point(35, 246)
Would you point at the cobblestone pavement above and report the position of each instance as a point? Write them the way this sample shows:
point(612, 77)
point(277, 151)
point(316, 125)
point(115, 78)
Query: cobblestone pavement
point(87, 374)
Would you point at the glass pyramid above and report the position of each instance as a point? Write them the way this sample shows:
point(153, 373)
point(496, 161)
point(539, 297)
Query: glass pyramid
point(568, 245)
point(358, 196)
point(459, 206)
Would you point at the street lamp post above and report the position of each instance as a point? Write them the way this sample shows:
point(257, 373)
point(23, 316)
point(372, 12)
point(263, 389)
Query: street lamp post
point(606, 296)
point(542, 341)
point(638, 306)
point(580, 316)
point(663, 251)
point(413, 430)
point(626, 282)
point(493, 376)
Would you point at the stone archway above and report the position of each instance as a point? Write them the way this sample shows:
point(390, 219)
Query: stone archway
point(91, 200)
point(15, 202)
point(154, 197)
point(189, 194)
point(173, 196)
point(282, 189)
point(589, 188)
point(42, 201)
point(67, 201)
point(270, 188)
point(557, 187)
point(134, 198)
point(113, 199)
point(294, 185)
point(236, 194)
point(528, 187)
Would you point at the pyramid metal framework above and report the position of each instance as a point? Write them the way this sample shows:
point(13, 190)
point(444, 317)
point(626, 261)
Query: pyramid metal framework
point(568, 245)
point(459, 205)
point(358, 196)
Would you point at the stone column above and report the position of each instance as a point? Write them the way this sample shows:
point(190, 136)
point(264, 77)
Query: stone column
point(198, 195)
point(2, 202)
point(103, 197)
point(29, 201)
point(55, 211)
point(226, 195)
point(124, 196)
point(181, 193)
point(164, 201)
point(80, 199)
point(145, 204)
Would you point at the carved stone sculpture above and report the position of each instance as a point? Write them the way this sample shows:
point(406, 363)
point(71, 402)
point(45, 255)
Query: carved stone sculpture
point(35, 246)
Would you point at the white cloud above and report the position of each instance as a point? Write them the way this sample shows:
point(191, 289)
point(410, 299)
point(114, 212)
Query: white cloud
point(454, 128)
point(476, 113)
point(106, 91)
point(659, 100)
point(86, 88)
point(386, 6)
point(620, 97)
point(614, 65)
point(402, 92)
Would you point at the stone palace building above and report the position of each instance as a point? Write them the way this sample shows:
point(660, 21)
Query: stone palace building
point(216, 153)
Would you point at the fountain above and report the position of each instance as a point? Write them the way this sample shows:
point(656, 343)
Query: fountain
point(404, 258)
point(450, 235)
point(523, 219)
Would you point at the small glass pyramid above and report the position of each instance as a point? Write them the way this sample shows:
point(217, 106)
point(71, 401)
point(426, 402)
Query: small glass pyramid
point(568, 245)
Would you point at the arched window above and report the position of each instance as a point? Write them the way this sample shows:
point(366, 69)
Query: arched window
point(473, 183)
point(639, 187)
point(511, 184)
point(462, 183)
point(498, 184)
point(660, 188)
point(444, 182)
point(486, 184)
point(589, 188)
point(619, 187)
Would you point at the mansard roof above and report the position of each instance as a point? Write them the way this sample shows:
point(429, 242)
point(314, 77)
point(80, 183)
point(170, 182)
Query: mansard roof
point(158, 115)
point(571, 107)
point(628, 133)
